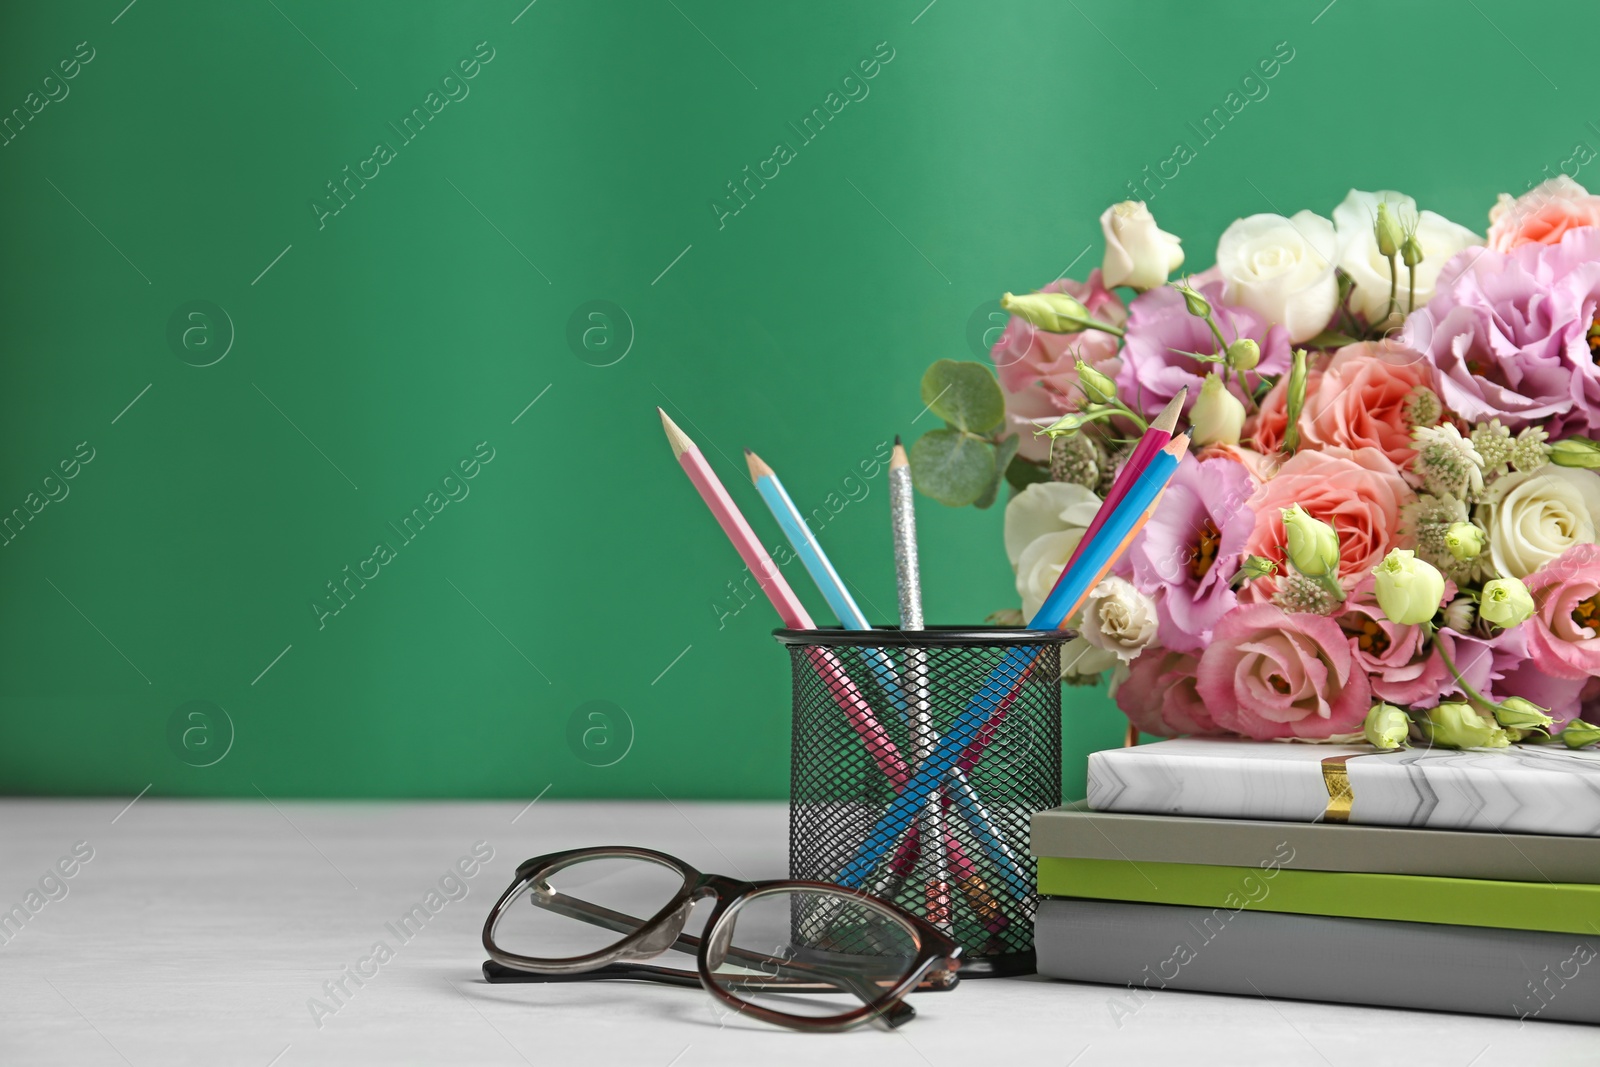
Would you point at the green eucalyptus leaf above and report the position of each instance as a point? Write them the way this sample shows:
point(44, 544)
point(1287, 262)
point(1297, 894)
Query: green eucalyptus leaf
point(1022, 473)
point(954, 468)
point(1330, 339)
point(964, 395)
point(1003, 454)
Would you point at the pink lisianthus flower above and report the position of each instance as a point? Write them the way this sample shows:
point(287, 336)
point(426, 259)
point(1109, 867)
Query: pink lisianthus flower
point(1268, 674)
point(1564, 632)
point(1543, 215)
point(1360, 493)
point(1400, 662)
point(1161, 331)
point(1157, 693)
point(1190, 549)
point(1260, 467)
point(1507, 335)
point(1360, 400)
point(1038, 369)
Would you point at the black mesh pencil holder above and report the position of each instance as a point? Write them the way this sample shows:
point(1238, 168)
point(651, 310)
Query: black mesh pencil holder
point(870, 707)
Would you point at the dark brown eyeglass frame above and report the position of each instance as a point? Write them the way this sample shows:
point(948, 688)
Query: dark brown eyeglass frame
point(933, 968)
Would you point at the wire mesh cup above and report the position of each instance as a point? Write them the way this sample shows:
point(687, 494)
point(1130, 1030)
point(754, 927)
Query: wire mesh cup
point(877, 714)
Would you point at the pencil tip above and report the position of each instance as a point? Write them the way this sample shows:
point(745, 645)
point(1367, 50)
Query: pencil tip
point(758, 467)
point(896, 438)
point(897, 458)
point(675, 437)
point(1168, 419)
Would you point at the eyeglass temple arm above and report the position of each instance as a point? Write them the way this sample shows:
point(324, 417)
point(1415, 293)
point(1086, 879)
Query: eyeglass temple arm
point(620, 922)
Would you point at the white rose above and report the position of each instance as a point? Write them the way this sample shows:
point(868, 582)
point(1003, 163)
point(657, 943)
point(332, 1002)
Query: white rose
point(1359, 257)
point(1044, 524)
point(1119, 619)
point(1282, 269)
point(1533, 517)
point(1138, 252)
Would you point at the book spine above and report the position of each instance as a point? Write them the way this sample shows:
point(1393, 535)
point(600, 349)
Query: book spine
point(1174, 784)
point(1140, 949)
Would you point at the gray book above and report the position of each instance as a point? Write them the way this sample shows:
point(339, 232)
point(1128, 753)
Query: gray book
point(1074, 832)
point(1144, 948)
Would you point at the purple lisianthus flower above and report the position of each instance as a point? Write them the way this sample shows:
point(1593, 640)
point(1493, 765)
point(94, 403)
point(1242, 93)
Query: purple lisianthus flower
point(1190, 549)
point(1160, 331)
point(1507, 334)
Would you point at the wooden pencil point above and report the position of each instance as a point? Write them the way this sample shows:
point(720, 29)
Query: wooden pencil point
point(758, 466)
point(1168, 419)
point(896, 439)
point(675, 437)
point(897, 458)
point(1178, 447)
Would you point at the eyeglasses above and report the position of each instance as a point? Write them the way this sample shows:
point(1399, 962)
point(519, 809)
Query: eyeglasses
point(806, 955)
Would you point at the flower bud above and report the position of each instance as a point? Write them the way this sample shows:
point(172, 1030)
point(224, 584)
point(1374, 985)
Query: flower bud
point(1198, 305)
point(1217, 417)
point(1506, 602)
point(1387, 230)
point(1408, 589)
point(1051, 312)
point(1460, 614)
point(1460, 726)
point(1519, 714)
point(1244, 354)
point(1294, 400)
point(1096, 386)
point(1465, 541)
point(1252, 568)
point(1410, 251)
point(1580, 732)
point(1386, 727)
point(1139, 254)
point(1312, 545)
point(1576, 452)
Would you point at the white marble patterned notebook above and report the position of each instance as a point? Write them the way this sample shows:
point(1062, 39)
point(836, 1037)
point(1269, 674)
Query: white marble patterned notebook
point(1522, 789)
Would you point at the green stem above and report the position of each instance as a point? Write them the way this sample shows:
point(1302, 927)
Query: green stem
point(1394, 287)
point(1103, 327)
point(1138, 419)
point(1474, 697)
point(1411, 288)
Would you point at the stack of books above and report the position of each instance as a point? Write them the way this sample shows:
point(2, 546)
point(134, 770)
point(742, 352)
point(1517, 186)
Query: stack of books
point(1449, 880)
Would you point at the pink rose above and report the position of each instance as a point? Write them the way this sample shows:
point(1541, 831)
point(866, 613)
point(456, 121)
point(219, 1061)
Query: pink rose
point(1158, 694)
point(1268, 673)
point(1564, 633)
point(1402, 666)
point(1041, 367)
point(1542, 215)
point(1360, 401)
point(1359, 492)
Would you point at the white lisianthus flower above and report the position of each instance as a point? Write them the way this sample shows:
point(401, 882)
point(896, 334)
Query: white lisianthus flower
point(1044, 524)
point(1534, 516)
point(1369, 269)
point(1138, 252)
point(1119, 619)
point(1282, 269)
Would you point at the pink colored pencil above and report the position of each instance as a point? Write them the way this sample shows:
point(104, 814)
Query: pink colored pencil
point(790, 610)
point(1153, 441)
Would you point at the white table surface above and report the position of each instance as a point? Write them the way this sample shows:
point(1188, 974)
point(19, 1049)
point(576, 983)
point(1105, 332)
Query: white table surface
point(200, 930)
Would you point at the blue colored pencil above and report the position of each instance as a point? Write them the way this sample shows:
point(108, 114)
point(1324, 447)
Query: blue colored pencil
point(1001, 685)
point(817, 565)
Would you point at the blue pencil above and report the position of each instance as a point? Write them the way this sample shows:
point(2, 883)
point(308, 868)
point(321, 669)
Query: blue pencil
point(820, 568)
point(1010, 672)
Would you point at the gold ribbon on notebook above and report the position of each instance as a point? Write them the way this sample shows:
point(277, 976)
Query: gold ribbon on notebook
point(1337, 781)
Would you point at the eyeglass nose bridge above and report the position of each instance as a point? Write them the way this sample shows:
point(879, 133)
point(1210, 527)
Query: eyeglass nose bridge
point(663, 936)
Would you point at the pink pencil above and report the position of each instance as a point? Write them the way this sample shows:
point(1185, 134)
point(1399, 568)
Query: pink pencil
point(1153, 441)
point(790, 610)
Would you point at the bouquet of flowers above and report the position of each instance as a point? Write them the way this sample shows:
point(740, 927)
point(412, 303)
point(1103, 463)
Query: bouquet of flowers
point(1387, 525)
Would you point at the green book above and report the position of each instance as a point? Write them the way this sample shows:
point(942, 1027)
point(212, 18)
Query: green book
point(1560, 907)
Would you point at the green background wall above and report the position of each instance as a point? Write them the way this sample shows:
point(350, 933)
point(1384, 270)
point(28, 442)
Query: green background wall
point(387, 340)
